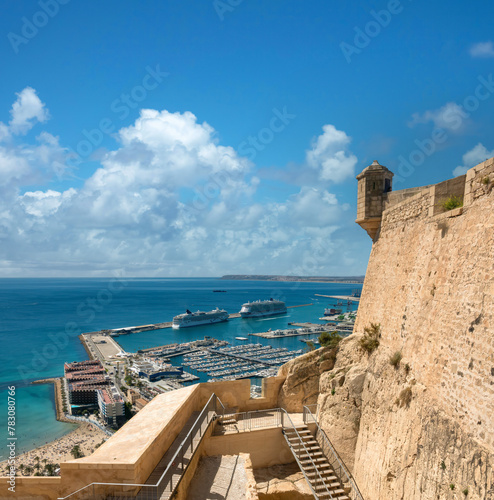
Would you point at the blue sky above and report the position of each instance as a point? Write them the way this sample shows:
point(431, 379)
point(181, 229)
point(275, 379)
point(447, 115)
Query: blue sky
point(201, 138)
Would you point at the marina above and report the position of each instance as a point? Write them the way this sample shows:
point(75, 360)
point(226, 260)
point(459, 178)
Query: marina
point(237, 362)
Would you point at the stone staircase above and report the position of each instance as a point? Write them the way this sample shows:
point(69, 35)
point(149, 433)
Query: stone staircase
point(315, 466)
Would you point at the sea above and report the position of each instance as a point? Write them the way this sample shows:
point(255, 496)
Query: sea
point(40, 320)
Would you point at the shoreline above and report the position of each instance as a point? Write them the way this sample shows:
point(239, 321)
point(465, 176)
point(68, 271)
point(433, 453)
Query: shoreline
point(299, 281)
point(86, 436)
point(57, 387)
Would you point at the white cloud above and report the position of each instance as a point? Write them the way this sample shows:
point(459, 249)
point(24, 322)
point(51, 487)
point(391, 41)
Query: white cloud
point(26, 111)
point(170, 200)
point(450, 117)
point(482, 49)
point(329, 155)
point(476, 155)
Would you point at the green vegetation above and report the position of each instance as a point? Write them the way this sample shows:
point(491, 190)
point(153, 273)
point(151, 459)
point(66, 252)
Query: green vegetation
point(486, 180)
point(405, 398)
point(333, 390)
point(452, 486)
point(443, 465)
point(465, 491)
point(329, 339)
point(128, 380)
point(395, 359)
point(370, 340)
point(50, 469)
point(310, 346)
point(407, 369)
point(452, 202)
point(76, 452)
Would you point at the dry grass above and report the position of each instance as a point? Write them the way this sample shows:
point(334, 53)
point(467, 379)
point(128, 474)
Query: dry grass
point(370, 340)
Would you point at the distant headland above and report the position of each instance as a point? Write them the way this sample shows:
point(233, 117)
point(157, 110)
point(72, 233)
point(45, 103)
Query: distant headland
point(313, 279)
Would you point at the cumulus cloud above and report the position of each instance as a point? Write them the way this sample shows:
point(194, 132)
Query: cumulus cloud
point(329, 155)
point(170, 200)
point(450, 117)
point(26, 111)
point(474, 156)
point(482, 49)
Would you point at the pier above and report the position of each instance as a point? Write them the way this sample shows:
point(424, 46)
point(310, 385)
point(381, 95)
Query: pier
point(340, 297)
point(307, 329)
point(116, 332)
point(243, 358)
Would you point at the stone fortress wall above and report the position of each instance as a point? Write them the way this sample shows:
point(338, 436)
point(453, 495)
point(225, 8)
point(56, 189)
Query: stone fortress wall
point(430, 285)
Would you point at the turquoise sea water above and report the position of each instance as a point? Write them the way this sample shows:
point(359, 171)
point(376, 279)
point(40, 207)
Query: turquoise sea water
point(40, 320)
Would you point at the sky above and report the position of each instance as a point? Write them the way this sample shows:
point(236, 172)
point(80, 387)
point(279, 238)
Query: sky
point(202, 138)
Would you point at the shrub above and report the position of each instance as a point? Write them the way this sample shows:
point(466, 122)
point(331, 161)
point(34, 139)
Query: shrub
point(310, 346)
point(452, 486)
point(443, 465)
point(395, 359)
point(465, 491)
point(452, 202)
point(329, 339)
point(486, 180)
point(405, 397)
point(370, 340)
point(407, 369)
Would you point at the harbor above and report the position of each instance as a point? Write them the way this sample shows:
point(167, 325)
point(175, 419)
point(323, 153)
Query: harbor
point(237, 362)
point(116, 332)
point(305, 329)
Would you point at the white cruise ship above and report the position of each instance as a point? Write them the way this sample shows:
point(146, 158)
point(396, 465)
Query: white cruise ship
point(262, 308)
point(199, 318)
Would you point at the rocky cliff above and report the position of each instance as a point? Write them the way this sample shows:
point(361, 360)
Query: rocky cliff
point(414, 418)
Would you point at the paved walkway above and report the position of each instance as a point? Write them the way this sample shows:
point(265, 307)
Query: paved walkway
point(219, 478)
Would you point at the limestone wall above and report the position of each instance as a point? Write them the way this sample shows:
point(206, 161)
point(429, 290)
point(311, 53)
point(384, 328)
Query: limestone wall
point(33, 488)
point(266, 447)
point(430, 284)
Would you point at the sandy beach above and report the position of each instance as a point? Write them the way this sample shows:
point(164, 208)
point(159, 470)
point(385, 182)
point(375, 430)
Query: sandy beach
point(86, 436)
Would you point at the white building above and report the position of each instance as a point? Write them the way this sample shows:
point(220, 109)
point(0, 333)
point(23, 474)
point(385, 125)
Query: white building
point(111, 405)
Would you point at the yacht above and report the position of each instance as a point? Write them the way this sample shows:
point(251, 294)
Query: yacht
point(199, 318)
point(261, 308)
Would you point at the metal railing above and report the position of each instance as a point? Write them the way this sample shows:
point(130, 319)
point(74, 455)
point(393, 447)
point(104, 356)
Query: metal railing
point(307, 410)
point(171, 476)
point(317, 482)
point(250, 420)
point(333, 458)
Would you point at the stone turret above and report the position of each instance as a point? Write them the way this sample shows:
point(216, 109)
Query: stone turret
point(374, 182)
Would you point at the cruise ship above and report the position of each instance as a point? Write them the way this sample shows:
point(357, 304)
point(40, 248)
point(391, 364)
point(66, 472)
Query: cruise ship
point(262, 308)
point(199, 318)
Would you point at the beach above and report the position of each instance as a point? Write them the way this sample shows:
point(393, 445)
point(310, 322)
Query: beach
point(55, 452)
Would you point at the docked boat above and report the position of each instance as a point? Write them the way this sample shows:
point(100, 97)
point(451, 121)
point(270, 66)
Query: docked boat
point(241, 338)
point(262, 308)
point(189, 318)
point(330, 311)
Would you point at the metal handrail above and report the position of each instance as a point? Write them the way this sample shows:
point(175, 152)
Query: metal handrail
point(180, 449)
point(308, 454)
point(342, 466)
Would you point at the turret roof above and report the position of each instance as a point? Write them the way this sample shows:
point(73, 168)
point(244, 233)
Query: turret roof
point(374, 168)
